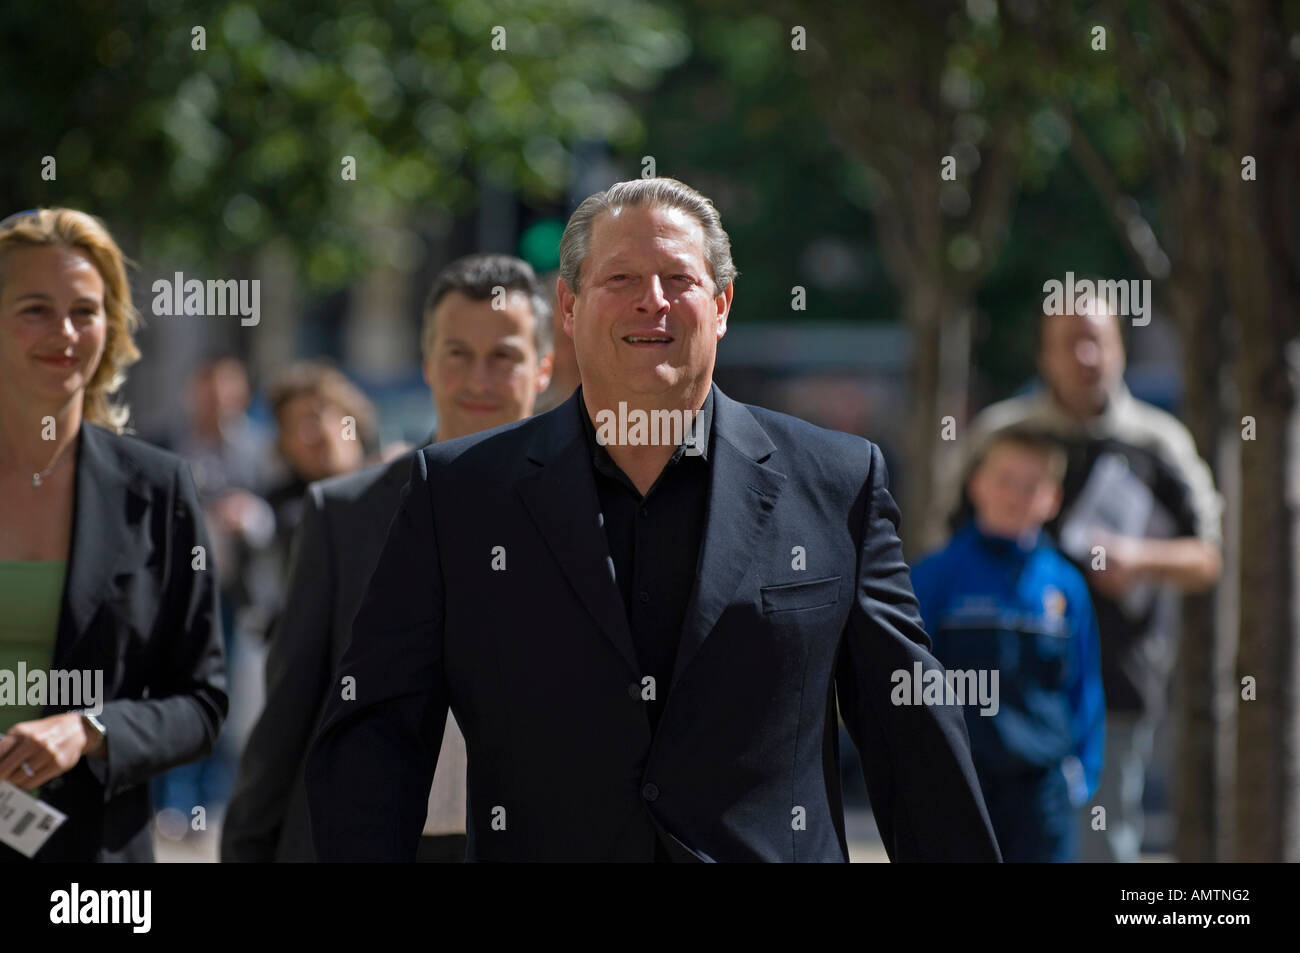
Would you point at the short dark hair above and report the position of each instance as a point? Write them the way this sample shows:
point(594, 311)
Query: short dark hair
point(1028, 438)
point(477, 277)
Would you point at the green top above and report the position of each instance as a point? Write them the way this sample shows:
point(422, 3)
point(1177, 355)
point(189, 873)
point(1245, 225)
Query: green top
point(31, 594)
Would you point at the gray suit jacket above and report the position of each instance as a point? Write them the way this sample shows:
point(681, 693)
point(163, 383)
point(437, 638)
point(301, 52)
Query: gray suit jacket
point(344, 524)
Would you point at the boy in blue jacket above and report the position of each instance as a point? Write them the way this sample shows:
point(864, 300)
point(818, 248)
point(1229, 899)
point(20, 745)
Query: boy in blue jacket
point(1000, 599)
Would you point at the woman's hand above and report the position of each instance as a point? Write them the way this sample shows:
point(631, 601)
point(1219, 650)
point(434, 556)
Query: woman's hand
point(35, 752)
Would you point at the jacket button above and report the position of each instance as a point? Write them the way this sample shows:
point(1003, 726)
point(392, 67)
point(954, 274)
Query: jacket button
point(650, 792)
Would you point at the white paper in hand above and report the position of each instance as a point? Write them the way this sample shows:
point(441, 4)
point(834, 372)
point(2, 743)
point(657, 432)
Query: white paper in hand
point(1114, 501)
point(26, 823)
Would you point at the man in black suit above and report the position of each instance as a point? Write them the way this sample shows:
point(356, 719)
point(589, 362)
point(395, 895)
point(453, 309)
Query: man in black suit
point(486, 359)
point(643, 640)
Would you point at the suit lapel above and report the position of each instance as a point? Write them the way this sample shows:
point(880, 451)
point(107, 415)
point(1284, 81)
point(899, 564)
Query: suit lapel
point(359, 529)
point(107, 539)
point(742, 494)
point(561, 498)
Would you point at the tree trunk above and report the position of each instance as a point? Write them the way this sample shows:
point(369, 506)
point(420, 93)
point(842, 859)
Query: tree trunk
point(924, 308)
point(1264, 306)
point(1201, 785)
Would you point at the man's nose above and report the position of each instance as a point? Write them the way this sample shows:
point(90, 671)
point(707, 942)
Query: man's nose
point(479, 375)
point(1087, 353)
point(653, 298)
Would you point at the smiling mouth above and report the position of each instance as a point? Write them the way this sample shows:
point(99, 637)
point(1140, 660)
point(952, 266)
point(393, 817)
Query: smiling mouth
point(59, 360)
point(644, 339)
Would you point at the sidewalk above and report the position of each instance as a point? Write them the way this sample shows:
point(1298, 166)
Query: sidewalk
point(859, 828)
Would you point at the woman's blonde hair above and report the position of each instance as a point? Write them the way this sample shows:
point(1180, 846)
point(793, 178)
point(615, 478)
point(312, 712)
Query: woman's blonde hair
point(73, 229)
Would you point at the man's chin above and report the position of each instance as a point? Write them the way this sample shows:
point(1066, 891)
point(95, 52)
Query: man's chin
point(470, 422)
point(655, 379)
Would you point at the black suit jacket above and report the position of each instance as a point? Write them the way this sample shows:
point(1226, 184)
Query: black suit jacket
point(537, 663)
point(344, 523)
point(134, 607)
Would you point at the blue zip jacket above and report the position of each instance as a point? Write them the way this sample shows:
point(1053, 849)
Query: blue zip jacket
point(1023, 610)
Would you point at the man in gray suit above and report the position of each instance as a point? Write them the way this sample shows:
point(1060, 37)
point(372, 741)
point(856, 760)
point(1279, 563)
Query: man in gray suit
point(487, 355)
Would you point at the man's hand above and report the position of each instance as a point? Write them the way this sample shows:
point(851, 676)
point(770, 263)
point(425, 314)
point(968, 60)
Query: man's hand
point(1191, 564)
point(35, 752)
point(1124, 561)
point(240, 513)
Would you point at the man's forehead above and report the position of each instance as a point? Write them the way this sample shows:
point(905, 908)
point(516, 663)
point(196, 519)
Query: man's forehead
point(459, 315)
point(622, 229)
point(513, 299)
point(470, 336)
point(1069, 325)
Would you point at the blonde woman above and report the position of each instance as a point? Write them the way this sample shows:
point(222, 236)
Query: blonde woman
point(106, 578)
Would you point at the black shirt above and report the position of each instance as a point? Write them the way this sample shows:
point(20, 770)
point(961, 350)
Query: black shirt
point(655, 544)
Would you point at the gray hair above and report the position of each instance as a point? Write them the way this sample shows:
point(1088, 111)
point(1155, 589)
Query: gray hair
point(656, 193)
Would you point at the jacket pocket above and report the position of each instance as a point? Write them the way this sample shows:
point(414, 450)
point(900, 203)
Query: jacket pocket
point(801, 595)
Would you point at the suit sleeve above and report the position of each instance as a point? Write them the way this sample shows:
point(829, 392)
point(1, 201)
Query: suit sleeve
point(180, 720)
point(371, 767)
point(925, 582)
point(297, 678)
point(915, 759)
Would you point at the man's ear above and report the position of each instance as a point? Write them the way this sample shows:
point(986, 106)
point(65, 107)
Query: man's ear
point(545, 367)
point(566, 298)
point(1040, 353)
point(425, 372)
point(723, 302)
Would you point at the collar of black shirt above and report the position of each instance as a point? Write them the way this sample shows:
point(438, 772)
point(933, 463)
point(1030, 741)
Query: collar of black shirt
point(604, 463)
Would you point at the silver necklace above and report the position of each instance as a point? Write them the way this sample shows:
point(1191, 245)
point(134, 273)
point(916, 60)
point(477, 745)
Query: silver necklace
point(39, 477)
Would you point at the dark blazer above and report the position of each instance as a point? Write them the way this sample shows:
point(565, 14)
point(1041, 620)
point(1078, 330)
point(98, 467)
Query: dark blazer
point(344, 523)
point(537, 663)
point(134, 607)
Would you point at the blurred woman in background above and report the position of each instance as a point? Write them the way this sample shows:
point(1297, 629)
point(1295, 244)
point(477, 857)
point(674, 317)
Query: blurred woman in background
point(325, 427)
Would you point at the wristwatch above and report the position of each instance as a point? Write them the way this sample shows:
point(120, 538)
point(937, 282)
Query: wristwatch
point(95, 728)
